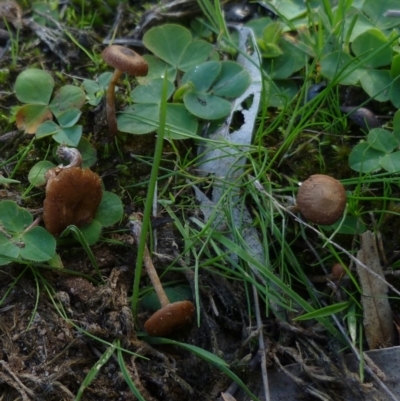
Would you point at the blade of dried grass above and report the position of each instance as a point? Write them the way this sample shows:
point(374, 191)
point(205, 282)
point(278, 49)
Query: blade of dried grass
point(378, 316)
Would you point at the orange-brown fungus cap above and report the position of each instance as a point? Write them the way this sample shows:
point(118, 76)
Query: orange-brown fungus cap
point(338, 270)
point(125, 60)
point(170, 318)
point(72, 197)
point(321, 199)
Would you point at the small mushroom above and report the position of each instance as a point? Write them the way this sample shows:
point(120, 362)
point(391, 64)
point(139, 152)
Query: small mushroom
point(171, 316)
point(73, 195)
point(321, 199)
point(338, 271)
point(123, 60)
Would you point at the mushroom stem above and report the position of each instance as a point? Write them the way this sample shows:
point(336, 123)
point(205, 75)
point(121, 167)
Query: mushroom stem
point(155, 280)
point(171, 316)
point(110, 107)
point(136, 227)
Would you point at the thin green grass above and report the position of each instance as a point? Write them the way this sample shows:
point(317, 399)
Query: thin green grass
point(77, 233)
point(149, 200)
point(290, 123)
point(15, 46)
point(126, 374)
point(91, 375)
point(208, 357)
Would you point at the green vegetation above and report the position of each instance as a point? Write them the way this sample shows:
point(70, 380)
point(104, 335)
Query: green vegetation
point(34, 88)
point(217, 137)
point(378, 151)
point(22, 239)
point(204, 88)
point(95, 90)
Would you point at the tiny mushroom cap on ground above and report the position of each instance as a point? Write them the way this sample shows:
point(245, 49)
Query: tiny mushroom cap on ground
point(73, 195)
point(321, 199)
point(338, 270)
point(171, 316)
point(123, 60)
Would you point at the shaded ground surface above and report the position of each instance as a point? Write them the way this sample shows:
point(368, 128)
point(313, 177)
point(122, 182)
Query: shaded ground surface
point(44, 355)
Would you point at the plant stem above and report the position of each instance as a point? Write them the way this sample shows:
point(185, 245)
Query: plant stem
point(150, 195)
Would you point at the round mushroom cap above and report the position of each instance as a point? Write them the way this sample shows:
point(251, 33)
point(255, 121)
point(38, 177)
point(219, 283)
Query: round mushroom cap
point(125, 60)
point(72, 197)
point(170, 318)
point(338, 270)
point(321, 199)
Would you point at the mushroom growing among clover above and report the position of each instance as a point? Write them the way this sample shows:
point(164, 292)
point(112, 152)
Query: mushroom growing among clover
point(73, 194)
point(321, 199)
point(172, 316)
point(123, 60)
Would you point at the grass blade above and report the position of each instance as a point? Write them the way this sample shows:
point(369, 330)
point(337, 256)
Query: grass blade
point(206, 356)
point(95, 369)
point(127, 377)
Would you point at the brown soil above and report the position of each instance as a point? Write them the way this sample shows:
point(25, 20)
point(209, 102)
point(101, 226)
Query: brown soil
point(56, 326)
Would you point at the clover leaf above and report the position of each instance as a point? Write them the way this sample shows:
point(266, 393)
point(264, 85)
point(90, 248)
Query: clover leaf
point(363, 69)
point(157, 69)
point(391, 162)
point(35, 88)
point(143, 116)
point(95, 90)
point(368, 42)
point(375, 10)
point(68, 97)
point(232, 81)
point(36, 175)
point(376, 153)
point(206, 106)
point(207, 83)
point(175, 294)
point(365, 159)
point(282, 55)
point(30, 116)
point(202, 76)
point(174, 44)
point(205, 88)
point(66, 132)
point(342, 64)
point(382, 139)
point(269, 43)
point(18, 241)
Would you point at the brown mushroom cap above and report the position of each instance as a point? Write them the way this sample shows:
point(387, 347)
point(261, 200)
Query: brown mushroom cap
point(73, 196)
point(338, 270)
point(321, 199)
point(170, 318)
point(125, 60)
